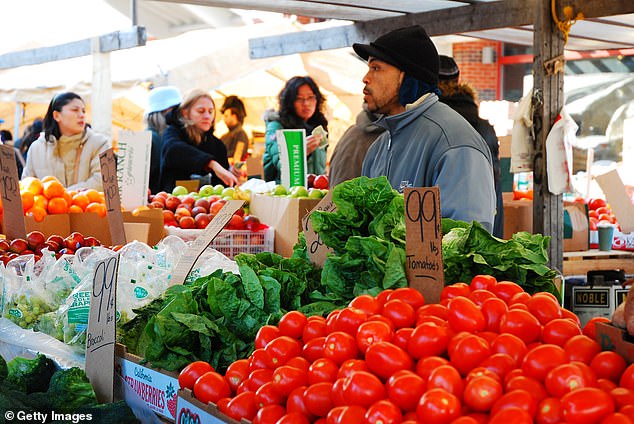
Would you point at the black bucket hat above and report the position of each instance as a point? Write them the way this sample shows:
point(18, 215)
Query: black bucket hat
point(409, 49)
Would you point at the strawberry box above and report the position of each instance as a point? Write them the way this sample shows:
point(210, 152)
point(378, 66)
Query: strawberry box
point(191, 410)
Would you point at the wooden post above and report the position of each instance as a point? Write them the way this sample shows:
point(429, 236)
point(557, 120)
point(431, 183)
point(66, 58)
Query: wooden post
point(548, 99)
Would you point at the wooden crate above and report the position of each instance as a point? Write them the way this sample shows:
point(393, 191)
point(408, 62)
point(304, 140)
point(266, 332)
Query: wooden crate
point(579, 263)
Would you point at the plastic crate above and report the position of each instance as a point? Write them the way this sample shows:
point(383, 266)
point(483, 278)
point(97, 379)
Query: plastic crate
point(232, 242)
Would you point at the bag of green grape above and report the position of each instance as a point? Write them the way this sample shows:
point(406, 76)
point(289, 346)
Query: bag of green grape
point(25, 295)
point(60, 278)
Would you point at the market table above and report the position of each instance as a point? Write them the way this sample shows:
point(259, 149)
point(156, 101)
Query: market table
point(579, 263)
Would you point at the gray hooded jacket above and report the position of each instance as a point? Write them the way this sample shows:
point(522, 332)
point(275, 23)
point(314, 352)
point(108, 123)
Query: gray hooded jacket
point(429, 144)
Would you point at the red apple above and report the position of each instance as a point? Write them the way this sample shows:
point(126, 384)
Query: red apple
point(187, 222)
point(235, 223)
point(239, 212)
point(4, 245)
point(168, 215)
point(252, 223)
point(202, 220)
point(91, 241)
point(35, 239)
point(196, 210)
point(181, 211)
point(74, 241)
point(52, 245)
point(188, 200)
point(57, 239)
point(216, 206)
point(204, 203)
point(156, 205)
point(18, 245)
point(321, 182)
point(172, 202)
point(310, 180)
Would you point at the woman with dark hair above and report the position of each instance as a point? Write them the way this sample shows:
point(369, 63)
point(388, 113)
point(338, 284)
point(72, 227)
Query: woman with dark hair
point(189, 145)
point(68, 149)
point(301, 105)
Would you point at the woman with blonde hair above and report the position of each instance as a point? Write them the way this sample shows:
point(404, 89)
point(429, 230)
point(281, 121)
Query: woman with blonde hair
point(189, 145)
point(68, 148)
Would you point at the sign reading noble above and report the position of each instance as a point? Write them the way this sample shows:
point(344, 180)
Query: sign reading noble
point(423, 242)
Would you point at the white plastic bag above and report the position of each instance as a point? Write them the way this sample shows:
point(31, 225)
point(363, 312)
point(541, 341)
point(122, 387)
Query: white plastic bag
point(559, 153)
point(522, 150)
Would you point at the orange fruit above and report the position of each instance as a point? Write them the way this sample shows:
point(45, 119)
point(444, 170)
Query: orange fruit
point(28, 199)
point(52, 189)
point(40, 201)
point(68, 198)
point(37, 213)
point(93, 195)
point(32, 184)
point(98, 208)
point(57, 205)
point(80, 200)
point(49, 178)
point(75, 209)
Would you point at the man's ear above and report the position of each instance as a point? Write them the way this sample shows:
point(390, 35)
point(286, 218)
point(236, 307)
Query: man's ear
point(401, 76)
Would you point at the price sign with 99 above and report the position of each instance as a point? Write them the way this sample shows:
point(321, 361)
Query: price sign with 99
point(422, 209)
point(109, 178)
point(14, 226)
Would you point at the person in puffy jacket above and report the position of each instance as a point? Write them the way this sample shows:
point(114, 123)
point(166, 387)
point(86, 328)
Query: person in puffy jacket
point(301, 105)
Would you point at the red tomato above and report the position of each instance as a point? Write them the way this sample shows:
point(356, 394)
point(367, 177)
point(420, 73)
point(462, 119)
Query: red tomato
point(188, 376)
point(588, 372)
point(521, 324)
point(448, 378)
point(558, 331)
point(627, 378)
point(455, 290)
point(351, 365)
point(479, 296)
point(299, 362)
point(481, 372)
point(587, 405)
point(381, 298)
point(500, 364)
point(269, 414)
point(521, 297)
point(314, 349)
point(608, 365)
point(565, 313)
point(513, 415)
point(482, 282)
point(549, 411)
point(622, 396)
point(438, 406)
point(464, 315)
point(382, 319)
point(267, 394)
point(432, 309)
point(505, 290)
point(628, 410)
point(402, 336)
point(589, 328)
point(287, 378)
point(281, 349)
point(581, 348)
point(544, 308)
point(292, 324)
point(317, 398)
point(382, 412)
point(596, 203)
point(405, 388)
point(349, 320)
point(385, 358)
point(511, 345)
point(259, 377)
point(210, 387)
point(346, 414)
point(222, 404)
point(408, 295)
point(294, 418)
point(481, 393)
point(265, 334)
point(605, 384)
point(340, 346)
point(322, 369)
point(314, 328)
point(593, 223)
point(428, 340)
point(541, 359)
point(528, 384)
point(565, 378)
point(236, 373)
point(363, 388)
point(338, 398)
point(616, 418)
point(515, 399)
point(295, 401)
point(399, 312)
point(371, 332)
point(425, 366)
point(367, 303)
point(259, 359)
point(469, 353)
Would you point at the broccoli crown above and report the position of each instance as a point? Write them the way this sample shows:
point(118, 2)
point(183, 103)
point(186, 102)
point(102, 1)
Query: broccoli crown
point(111, 413)
point(70, 389)
point(30, 375)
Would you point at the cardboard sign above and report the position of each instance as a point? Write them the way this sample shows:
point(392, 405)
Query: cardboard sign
point(317, 250)
point(111, 193)
point(618, 198)
point(198, 246)
point(423, 242)
point(134, 150)
point(14, 226)
point(100, 335)
point(291, 145)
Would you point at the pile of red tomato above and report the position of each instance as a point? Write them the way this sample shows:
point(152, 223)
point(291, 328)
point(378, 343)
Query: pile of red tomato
point(600, 212)
point(488, 352)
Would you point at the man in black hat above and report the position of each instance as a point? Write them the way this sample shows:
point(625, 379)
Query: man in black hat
point(426, 143)
point(462, 98)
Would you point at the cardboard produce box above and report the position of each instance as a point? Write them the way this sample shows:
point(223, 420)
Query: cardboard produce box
point(51, 224)
point(285, 215)
point(157, 388)
point(518, 215)
point(615, 339)
point(91, 224)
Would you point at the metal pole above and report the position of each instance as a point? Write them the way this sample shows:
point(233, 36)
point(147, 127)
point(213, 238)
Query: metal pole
point(133, 12)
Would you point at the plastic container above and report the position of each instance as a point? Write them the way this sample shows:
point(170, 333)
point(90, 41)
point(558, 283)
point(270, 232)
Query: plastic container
point(232, 242)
